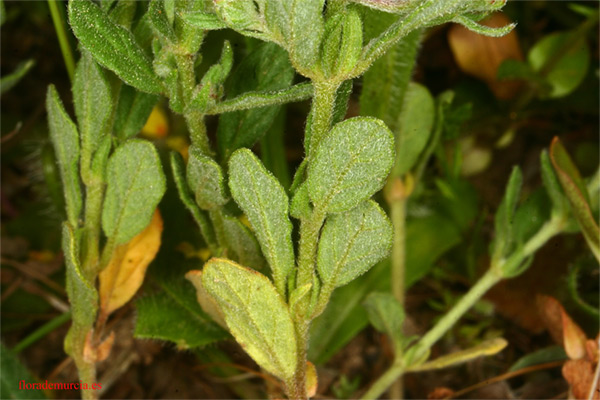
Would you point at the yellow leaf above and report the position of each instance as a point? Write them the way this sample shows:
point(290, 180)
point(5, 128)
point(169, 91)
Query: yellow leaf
point(157, 125)
point(207, 303)
point(312, 381)
point(124, 275)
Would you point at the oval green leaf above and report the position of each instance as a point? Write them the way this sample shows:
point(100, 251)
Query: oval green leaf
point(350, 164)
point(136, 184)
point(205, 178)
point(255, 313)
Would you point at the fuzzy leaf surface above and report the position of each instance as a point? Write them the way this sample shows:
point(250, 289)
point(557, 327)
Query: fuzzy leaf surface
point(136, 184)
point(133, 111)
point(92, 98)
point(65, 139)
point(350, 164)
point(503, 241)
point(386, 314)
point(256, 315)
point(112, 45)
point(352, 242)
point(242, 242)
point(205, 178)
point(263, 200)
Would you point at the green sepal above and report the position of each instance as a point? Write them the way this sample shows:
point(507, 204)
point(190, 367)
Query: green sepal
point(160, 22)
point(502, 244)
point(65, 139)
point(387, 315)
point(350, 164)
point(205, 179)
point(263, 200)
point(112, 45)
point(342, 44)
point(93, 101)
point(135, 185)
point(352, 242)
point(255, 313)
point(210, 90)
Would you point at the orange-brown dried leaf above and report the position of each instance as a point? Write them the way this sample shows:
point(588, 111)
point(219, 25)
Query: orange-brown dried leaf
point(312, 380)
point(550, 311)
point(124, 275)
point(94, 354)
point(580, 376)
point(573, 337)
point(480, 56)
point(440, 393)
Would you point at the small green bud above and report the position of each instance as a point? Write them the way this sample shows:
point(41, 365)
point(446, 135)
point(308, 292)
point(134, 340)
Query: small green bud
point(342, 44)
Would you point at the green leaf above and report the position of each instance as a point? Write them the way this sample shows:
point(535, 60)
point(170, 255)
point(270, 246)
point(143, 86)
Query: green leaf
point(415, 126)
point(386, 315)
point(256, 315)
point(244, 17)
point(13, 374)
point(352, 242)
point(112, 45)
point(133, 111)
point(265, 203)
point(502, 244)
point(563, 58)
point(159, 21)
point(241, 244)
point(203, 20)
point(342, 96)
point(136, 184)
point(300, 207)
point(427, 239)
point(210, 89)
point(92, 98)
point(160, 316)
point(65, 139)
point(265, 69)
point(100, 158)
point(342, 44)
point(552, 185)
point(83, 296)
point(205, 178)
point(10, 80)
point(307, 26)
point(577, 194)
point(541, 356)
point(350, 164)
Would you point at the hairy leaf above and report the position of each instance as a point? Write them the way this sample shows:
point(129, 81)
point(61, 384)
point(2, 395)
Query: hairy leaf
point(503, 241)
point(342, 44)
point(352, 242)
point(92, 98)
point(350, 164)
point(136, 184)
point(256, 315)
point(112, 45)
point(205, 178)
point(203, 20)
point(242, 242)
point(160, 22)
point(386, 314)
point(65, 139)
point(265, 203)
point(133, 111)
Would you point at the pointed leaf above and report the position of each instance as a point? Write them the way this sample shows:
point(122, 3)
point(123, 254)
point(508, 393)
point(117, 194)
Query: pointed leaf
point(82, 294)
point(133, 111)
point(112, 45)
point(265, 203)
point(503, 241)
point(205, 178)
point(136, 184)
point(125, 273)
point(66, 146)
point(352, 242)
point(552, 185)
point(14, 372)
point(10, 80)
point(574, 339)
point(203, 20)
point(576, 193)
point(256, 315)
point(242, 242)
point(386, 314)
point(350, 164)
point(159, 21)
point(300, 206)
point(92, 98)
point(207, 302)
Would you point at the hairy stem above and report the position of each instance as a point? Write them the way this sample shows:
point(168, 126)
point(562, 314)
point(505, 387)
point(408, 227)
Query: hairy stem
point(321, 112)
point(93, 215)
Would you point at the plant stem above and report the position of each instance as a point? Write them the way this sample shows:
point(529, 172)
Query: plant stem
point(63, 40)
point(321, 112)
point(93, 214)
point(385, 381)
point(42, 331)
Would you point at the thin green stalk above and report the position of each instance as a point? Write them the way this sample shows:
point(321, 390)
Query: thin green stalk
point(384, 381)
point(321, 113)
point(42, 331)
point(63, 40)
point(248, 100)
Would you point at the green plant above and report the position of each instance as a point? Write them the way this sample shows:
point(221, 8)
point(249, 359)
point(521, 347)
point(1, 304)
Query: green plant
point(132, 54)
